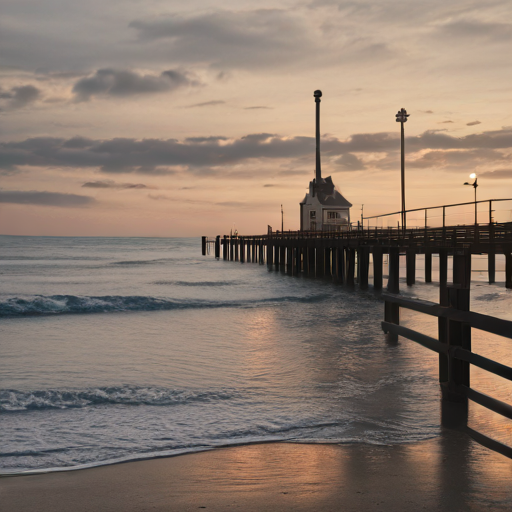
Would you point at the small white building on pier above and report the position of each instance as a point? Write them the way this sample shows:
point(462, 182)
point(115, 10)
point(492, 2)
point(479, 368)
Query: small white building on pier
point(324, 208)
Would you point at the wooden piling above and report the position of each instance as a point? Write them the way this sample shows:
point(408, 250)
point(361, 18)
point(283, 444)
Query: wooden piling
point(282, 258)
point(203, 245)
point(327, 261)
point(242, 250)
point(377, 268)
point(443, 273)
point(410, 262)
point(217, 246)
point(508, 269)
point(491, 266)
point(351, 266)
point(394, 270)
point(289, 259)
point(320, 262)
point(362, 266)
point(225, 247)
point(341, 265)
point(428, 266)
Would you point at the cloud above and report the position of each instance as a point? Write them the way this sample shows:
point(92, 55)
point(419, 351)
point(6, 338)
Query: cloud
point(502, 174)
point(45, 198)
point(477, 31)
point(350, 162)
point(446, 122)
point(473, 123)
point(113, 184)
point(19, 97)
point(258, 107)
point(207, 104)
point(122, 83)
point(227, 39)
point(210, 155)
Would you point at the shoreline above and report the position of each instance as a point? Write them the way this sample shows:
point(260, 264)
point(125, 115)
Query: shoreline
point(448, 473)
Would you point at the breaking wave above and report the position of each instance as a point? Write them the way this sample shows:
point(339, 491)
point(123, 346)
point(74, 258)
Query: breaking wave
point(15, 401)
point(72, 304)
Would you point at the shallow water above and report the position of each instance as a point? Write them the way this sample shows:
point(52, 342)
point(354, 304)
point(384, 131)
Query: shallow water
point(118, 348)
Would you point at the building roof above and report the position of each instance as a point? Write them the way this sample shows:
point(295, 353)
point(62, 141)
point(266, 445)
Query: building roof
point(327, 194)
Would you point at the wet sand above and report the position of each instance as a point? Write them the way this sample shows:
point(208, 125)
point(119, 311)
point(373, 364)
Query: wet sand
point(449, 473)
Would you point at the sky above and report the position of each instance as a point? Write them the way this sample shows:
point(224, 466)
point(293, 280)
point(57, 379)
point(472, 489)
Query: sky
point(166, 118)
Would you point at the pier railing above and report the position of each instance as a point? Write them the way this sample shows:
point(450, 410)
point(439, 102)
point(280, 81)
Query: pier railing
point(487, 211)
point(453, 345)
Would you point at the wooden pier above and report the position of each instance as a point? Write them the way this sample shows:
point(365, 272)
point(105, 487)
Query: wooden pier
point(345, 257)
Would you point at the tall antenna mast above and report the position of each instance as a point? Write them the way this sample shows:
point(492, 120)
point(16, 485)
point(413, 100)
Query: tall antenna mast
point(318, 95)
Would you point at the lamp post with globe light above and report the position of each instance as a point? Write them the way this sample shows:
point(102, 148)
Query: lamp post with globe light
point(474, 185)
point(401, 117)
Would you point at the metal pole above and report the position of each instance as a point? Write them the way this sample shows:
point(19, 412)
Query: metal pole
point(318, 95)
point(403, 177)
point(282, 221)
point(476, 210)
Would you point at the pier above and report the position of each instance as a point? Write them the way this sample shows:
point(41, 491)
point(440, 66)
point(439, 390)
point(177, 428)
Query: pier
point(346, 256)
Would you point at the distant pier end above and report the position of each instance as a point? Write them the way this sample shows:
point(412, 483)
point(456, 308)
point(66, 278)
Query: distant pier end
point(323, 208)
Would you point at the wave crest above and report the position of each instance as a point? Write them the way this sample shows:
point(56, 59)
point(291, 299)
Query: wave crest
point(15, 401)
point(72, 304)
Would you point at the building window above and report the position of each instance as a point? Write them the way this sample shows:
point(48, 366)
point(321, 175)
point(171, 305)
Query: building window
point(312, 214)
point(333, 215)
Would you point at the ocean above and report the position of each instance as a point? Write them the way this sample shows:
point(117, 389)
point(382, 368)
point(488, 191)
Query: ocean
point(117, 349)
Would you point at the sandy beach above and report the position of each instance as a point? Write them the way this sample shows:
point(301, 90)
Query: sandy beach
point(449, 473)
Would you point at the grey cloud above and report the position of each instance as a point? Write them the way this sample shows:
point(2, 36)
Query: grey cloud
point(258, 107)
point(207, 104)
point(113, 184)
point(19, 97)
point(206, 155)
point(477, 30)
point(457, 158)
point(232, 204)
point(228, 39)
point(350, 162)
point(45, 198)
point(121, 83)
point(502, 174)
point(446, 122)
point(473, 123)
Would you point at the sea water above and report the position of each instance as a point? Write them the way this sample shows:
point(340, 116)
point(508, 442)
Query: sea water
point(115, 349)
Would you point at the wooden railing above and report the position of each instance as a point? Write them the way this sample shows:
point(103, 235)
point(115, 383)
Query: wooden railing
point(454, 347)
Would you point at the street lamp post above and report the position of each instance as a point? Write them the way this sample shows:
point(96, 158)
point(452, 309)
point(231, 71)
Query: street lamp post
point(401, 117)
point(474, 185)
point(282, 219)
